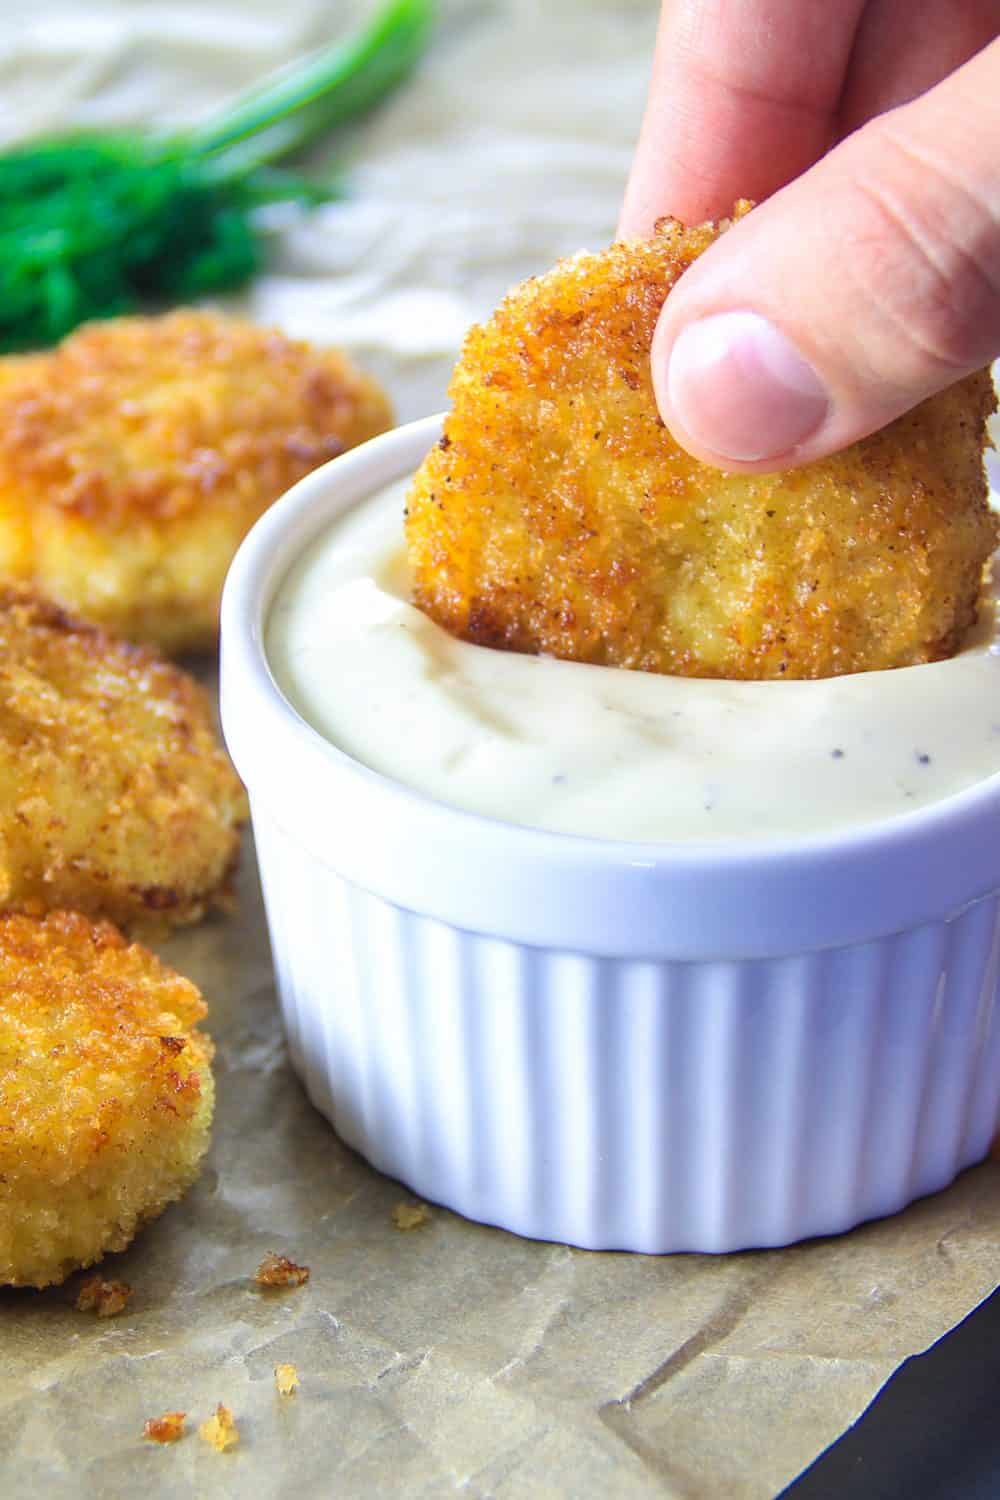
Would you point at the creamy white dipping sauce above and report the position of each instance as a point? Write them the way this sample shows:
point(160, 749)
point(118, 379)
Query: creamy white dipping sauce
point(601, 751)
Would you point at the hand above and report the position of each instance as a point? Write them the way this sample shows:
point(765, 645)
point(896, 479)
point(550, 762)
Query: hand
point(870, 276)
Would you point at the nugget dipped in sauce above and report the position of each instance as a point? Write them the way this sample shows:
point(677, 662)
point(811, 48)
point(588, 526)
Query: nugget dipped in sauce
point(116, 797)
point(135, 457)
point(105, 1093)
point(558, 515)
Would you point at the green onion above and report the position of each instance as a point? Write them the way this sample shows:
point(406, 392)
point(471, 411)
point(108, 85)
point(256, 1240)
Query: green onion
point(94, 226)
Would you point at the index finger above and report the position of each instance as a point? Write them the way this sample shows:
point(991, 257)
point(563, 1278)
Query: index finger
point(744, 96)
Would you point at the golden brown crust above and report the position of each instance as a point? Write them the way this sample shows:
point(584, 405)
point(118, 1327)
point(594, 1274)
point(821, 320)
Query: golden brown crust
point(557, 514)
point(136, 456)
point(115, 795)
point(105, 1092)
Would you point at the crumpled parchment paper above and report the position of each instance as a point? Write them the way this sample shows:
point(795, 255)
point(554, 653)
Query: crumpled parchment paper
point(452, 1358)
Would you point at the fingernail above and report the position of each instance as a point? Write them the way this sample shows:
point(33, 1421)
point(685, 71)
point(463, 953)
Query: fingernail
point(742, 389)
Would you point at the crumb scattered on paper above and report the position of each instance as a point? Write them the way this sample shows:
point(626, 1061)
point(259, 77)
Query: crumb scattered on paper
point(165, 1429)
point(105, 1298)
point(410, 1215)
point(278, 1270)
point(286, 1379)
point(220, 1431)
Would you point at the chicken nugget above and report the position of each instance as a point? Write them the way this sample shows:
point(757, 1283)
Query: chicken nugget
point(105, 1093)
point(116, 796)
point(558, 515)
point(135, 457)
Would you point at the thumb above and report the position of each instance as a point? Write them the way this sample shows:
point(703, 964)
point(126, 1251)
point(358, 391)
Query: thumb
point(858, 290)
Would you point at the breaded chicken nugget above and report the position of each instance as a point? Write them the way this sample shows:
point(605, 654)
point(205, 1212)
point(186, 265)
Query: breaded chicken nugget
point(558, 515)
point(135, 457)
point(105, 1093)
point(115, 795)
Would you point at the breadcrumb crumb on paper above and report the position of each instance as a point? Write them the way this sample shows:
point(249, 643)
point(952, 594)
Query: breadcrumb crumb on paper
point(105, 1298)
point(286, 1380)
point(220, 1430)
point(165, 1429)
point(408, 1216)
point(279, 1270)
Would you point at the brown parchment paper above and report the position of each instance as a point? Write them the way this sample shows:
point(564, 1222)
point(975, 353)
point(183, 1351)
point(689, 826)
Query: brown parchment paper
point(452, 1358)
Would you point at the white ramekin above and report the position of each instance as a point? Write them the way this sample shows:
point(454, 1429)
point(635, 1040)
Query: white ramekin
point(633, 1046)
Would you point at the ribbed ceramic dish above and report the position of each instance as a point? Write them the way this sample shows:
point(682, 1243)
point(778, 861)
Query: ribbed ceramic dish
point(623, 1046)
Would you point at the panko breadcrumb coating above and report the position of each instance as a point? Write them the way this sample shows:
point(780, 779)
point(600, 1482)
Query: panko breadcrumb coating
point(558, 515)
point(105, 1093)
point(135, 457)
point(116, 797)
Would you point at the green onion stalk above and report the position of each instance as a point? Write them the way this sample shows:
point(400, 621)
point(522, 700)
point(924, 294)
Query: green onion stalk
point(92, 226)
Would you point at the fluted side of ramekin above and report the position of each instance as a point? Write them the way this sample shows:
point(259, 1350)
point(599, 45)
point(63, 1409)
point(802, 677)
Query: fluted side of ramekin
point(650, 1105)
